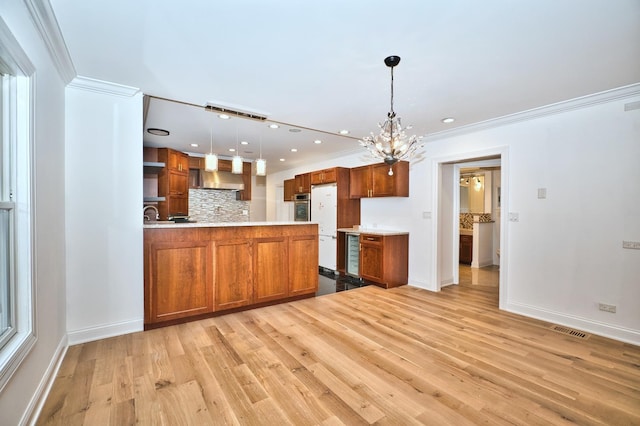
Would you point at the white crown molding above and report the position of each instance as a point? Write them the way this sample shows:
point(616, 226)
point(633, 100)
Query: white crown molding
point(105, 87)
point(552, 109)
point(47, 25)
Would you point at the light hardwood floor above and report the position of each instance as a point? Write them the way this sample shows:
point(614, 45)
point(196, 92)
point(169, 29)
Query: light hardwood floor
point(366, 356)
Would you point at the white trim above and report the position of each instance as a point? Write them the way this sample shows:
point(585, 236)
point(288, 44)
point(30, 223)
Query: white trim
point(436, 162)
point(607, 330)
point(20, 62)
point(104, 87)
point(531, 114)
point(39, 397)
point(104, 331)
point(45, 21)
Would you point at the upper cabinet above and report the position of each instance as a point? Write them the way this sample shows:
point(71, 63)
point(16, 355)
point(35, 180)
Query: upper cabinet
point(175, 160)
point(173, 183)
point(303, 183)
point(374, 181)
point(324, 176)
point(289, 189)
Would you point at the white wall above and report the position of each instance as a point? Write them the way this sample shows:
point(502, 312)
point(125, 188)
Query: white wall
point(19, 397)
point(565, 254)
point(104, 210)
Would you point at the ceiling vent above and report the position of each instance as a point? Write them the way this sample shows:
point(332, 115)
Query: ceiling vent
point(237, 112)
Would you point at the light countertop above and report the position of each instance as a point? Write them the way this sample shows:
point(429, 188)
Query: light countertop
point(172, 225)
point(375, 231)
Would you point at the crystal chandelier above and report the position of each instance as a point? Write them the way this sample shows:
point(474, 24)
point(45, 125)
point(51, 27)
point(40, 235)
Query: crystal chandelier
point(392, 143)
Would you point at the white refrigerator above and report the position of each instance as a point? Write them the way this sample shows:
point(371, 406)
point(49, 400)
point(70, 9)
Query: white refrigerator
point(324, 211)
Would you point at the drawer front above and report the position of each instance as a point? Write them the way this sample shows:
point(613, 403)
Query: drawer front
point(370, 239)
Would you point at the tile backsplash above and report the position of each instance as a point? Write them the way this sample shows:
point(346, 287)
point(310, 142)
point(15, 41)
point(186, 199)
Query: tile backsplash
point(466, 219)
point(212, 205)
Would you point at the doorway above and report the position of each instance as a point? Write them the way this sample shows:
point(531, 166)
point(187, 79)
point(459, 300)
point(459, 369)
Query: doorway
point(448, 227)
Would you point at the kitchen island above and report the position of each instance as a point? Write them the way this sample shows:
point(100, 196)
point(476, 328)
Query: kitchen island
point(198, 270)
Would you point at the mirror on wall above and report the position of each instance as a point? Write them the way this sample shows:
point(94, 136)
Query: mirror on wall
point(475, 193)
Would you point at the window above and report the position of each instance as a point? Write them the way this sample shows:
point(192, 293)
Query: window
point(17, 333)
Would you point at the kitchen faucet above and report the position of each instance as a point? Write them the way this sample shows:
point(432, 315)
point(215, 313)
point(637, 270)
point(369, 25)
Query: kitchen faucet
point(150, 207)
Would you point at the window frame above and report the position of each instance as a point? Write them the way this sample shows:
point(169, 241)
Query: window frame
point(17, 193)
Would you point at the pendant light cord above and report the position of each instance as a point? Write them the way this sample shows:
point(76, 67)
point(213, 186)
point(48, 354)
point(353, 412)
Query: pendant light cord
point(392, 113)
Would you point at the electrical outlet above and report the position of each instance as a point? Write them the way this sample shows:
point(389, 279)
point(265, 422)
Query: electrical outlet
point(607, 308)
point(634, 245)
point(514, 217)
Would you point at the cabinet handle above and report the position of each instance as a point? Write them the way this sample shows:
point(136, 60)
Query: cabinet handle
point(370, 239)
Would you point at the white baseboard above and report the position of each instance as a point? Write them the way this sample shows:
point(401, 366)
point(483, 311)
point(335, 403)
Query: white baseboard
point(602, 329)
point(104, 331)
point(34, 408)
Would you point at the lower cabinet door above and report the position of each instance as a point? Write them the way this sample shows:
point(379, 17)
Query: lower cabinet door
point(303, 265)
point(233, 275)
point(371, 265)
point(271, 269)
point(180, 280)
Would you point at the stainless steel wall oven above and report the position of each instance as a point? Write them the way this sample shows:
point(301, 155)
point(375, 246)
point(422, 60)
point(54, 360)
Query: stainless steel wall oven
point(302, 208)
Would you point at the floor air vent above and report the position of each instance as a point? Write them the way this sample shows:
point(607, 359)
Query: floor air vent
point(570, 331)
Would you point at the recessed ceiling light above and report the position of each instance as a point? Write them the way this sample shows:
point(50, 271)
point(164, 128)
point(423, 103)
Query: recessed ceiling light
point(158, 132)
point(317, 141)
point(294, 150)
point(448, 120)
point(295, 130)
point(232, 149)
point(273, 126)
point(195, 145)
point(244, 143)
point(282, 159)
point(344, 132)
point(223, 116)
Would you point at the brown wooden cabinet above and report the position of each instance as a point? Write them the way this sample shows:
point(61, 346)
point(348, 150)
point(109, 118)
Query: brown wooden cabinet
point(245, 194)
point(289, 189)
point(303, 258)
point(196, 272)
point(374, 181)
point(303, 183)
point(196, 163)
point(233, 276)
point(271, 269)
point(173, 183)
point(320, 177)
point(178, 280)
point(384, 259)
point(176, 160)
point(466, 249)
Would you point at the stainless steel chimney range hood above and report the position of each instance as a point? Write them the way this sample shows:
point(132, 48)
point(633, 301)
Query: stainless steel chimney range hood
point(221, 180)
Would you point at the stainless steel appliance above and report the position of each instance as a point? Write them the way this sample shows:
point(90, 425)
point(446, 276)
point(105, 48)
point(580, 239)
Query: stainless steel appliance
point(302, 208)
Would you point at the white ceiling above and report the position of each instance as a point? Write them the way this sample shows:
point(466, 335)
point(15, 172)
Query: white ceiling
point(319, 65)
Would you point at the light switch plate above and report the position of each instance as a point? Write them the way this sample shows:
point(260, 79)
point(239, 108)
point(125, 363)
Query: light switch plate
point(542, 193)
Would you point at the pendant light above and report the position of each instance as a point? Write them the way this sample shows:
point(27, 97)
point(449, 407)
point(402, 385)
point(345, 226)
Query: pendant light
point(261, 163)
point(392, 143)
point(236, 161)
point(211, 159)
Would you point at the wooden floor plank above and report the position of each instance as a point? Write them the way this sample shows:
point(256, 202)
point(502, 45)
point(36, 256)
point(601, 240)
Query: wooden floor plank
point(365, 356)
